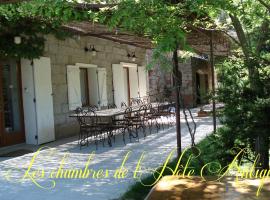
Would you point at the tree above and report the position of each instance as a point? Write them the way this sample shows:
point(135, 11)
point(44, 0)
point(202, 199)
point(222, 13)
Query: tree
point(32, 20)
point(250, 20)
point(166, 23)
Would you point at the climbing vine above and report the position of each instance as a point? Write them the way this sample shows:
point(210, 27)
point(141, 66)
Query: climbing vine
point(31, 20)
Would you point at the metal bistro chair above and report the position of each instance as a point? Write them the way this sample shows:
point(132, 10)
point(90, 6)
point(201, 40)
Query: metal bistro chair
point(86, 128)
point(125, 124)
point(166, 110)
point(152, 116)
point(146, 99)
point(103, 128)
point(110, 106)
point(123, 105)
point(92, 108)
point(139, 120)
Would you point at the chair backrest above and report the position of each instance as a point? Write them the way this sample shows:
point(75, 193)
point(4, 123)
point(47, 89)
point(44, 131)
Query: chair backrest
point(123, 105)
point(111, 106)
point(94, 119)
point(142, 112)
point(136, 101)
point(146, 99)
point(151, 109)
point(127, 112)
point(92, 108)
point(80, 113)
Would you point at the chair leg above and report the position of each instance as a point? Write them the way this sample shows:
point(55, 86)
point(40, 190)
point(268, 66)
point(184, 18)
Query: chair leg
point(157, 125)
point(114, 137)
point(150, 126)
point(162, 123)
point(123, 133)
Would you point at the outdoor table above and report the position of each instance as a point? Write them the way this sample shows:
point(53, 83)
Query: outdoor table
point(178, 188)
point(113, 112)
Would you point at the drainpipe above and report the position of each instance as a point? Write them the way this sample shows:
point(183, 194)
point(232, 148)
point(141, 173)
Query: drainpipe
point(177, 99)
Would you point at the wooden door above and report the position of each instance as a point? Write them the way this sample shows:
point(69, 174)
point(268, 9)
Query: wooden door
point(11, 110)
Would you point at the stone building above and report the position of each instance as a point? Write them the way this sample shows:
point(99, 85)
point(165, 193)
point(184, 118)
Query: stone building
point(41, 94)
point(195, 70)
point(95, 67)
point(196, 81)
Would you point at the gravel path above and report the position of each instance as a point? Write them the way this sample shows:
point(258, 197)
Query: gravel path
point(156, 147)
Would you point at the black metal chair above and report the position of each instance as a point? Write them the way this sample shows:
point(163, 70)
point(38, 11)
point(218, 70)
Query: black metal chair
point(110, 106)
point(152, 117)
point(139, 120)
point(125, 124)
point(87, 127)
point(123, 105)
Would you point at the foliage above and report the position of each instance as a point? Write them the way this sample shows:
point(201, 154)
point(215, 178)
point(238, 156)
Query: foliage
point(245, 76)
point(161, 21)
point(32, 20)
point(245, 117)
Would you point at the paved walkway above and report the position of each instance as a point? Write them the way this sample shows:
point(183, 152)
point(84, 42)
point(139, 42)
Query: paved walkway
point(156, 146)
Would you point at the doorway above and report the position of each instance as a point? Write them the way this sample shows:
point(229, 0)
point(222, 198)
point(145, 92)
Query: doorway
point(11, 109)
point(201, 88)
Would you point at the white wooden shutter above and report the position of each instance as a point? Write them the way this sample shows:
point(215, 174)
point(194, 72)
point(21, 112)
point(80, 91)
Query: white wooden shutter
point(44, 100)
point(133, 82)
point(74, 88)
point(142, 81)
point(118, 84)
point(102, 83)
point(29, 107)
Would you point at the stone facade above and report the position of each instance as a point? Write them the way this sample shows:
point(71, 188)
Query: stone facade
point(71, 51)
point(158, 79)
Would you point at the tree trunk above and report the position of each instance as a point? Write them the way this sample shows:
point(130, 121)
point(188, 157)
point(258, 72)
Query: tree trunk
point(262, 150)
point(177, 101)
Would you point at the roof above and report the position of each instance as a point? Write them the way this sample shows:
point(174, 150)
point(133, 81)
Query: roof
point(197, 38)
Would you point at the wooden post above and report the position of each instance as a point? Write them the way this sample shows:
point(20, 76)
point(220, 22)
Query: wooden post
point(177, 100)
point(213, 81)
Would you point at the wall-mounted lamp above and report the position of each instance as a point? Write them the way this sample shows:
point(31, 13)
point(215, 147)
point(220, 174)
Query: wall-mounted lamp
point(91, 49)
point(17, 40)
point(116, 31)
point(132, 56)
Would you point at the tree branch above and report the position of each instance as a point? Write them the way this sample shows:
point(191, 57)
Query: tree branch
point(241, 35)
point(235, 40)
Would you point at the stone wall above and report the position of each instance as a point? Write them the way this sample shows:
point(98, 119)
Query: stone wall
point(71, 51)
point(187, 83)
point(159, 78)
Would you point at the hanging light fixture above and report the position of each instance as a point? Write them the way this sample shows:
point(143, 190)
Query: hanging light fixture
point(91, 49)
point(116, 31)
point(132, 56)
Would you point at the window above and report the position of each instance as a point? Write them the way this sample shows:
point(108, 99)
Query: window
point(87, 85)
point(84, 84)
